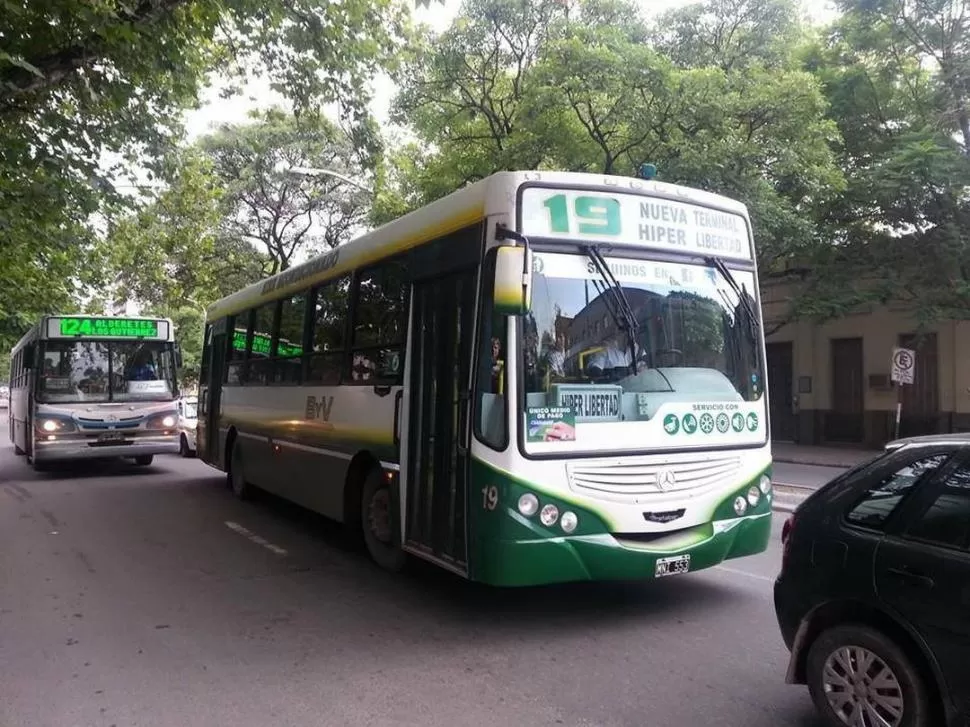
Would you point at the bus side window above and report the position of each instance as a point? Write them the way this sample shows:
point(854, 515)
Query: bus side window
point(380, 323)
point(491, 419)
point(240, 326)
point(328, 331)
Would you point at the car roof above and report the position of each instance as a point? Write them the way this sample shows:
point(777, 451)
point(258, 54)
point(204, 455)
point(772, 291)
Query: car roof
point(958, 439)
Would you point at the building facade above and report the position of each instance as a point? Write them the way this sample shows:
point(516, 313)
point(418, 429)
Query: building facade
point(830, 384)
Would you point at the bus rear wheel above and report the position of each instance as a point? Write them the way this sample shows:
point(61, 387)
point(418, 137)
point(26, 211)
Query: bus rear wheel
point(237, 474)
point(376, 513)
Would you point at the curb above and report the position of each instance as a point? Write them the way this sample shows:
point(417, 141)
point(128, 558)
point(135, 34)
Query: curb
point(841, 464)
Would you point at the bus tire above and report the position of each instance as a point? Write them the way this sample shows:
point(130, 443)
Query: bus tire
point(237, 473)
point(143, 460)
point(17, 450)
point(376, 523)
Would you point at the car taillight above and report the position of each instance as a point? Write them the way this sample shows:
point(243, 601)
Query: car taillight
point(786, 538)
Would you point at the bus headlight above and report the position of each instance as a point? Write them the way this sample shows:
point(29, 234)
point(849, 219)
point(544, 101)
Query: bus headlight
point(740, 505)
point(754, 496)
point(168, 422)
point(569, 521)
point(549, 515)
point(765, 484)
point(528, 504)
point(50, 426)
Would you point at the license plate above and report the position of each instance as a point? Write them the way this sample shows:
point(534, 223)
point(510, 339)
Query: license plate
point(111, 437)
point(672, 566)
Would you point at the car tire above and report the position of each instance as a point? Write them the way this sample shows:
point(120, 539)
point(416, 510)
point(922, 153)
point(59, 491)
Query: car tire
point(375, 514)
point(17, 450)
point(144, 460)
point(237, 474)
point(891, 678)
point(184, 447)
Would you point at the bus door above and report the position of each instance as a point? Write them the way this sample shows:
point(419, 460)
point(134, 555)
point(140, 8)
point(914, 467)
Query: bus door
point(210, 394)
point(436, 434)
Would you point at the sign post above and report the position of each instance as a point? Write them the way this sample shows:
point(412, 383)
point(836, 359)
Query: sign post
point(903, 370)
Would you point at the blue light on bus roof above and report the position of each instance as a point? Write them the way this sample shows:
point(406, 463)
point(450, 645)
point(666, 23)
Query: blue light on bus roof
point(647, 171)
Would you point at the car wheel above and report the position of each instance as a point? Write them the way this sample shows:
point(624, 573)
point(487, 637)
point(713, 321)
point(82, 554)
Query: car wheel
point(237, 474)
point(858, 676)
point(376, 522)
point(143, 460)
point(183, 446)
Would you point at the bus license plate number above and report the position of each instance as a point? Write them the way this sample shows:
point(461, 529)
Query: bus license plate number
point(111, 437)
point(672, 566)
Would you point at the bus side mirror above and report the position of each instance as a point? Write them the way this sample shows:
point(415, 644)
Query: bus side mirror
point(512, 291)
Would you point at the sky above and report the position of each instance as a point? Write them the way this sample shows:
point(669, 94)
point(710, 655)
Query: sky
point(215, 111)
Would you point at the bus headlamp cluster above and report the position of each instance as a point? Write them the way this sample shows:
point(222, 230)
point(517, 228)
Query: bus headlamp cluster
point(753, 496)
point(50, 426)
point(549, 515)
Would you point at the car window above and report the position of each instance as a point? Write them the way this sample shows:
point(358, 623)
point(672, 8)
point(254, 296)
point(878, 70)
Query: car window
point(946, 521)
point(882, 498)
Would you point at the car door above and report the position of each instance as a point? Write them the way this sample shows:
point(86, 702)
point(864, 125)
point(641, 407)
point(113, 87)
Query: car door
point(922, 570)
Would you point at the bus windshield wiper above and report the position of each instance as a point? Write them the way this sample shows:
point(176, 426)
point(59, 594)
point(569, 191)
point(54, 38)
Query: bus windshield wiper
point(616, 302)
point(753, 322)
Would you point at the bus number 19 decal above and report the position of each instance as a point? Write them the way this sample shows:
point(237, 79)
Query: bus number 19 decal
point(489, 497)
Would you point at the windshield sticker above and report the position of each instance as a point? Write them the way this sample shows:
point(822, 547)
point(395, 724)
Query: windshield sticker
point(551, 424)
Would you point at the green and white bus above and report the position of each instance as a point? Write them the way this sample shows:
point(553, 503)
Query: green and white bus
point(86, 387)
point(541, 377)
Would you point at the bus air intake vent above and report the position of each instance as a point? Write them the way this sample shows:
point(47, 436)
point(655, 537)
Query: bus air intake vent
point(652, 479)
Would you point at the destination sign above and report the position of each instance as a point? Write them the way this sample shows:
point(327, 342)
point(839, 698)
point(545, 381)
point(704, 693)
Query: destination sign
point(629, 219)
point(598, 403)
point(92, 327)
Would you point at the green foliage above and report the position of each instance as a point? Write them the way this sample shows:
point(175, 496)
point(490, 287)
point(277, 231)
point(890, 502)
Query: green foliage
point(266, 204)
point(87, 89)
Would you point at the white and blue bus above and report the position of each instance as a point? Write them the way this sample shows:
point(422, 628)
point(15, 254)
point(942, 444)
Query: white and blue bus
point(541, 377)
point(85, 387)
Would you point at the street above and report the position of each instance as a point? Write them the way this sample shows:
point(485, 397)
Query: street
point(149, 596)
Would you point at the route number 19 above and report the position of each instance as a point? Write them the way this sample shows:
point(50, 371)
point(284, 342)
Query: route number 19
point(593, 215)
point(489, 497)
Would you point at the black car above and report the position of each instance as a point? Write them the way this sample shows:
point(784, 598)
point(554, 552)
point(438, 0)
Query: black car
point(873, 598)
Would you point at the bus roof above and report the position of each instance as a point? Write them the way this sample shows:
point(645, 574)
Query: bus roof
point(462, 208)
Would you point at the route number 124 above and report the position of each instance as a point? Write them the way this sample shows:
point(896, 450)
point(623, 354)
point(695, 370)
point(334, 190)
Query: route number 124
point(592, 215)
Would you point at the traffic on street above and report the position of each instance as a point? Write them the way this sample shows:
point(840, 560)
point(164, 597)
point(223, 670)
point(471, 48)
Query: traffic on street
point(150, 596)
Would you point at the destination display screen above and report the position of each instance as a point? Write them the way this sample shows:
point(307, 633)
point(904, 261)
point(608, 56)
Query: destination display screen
point(632, 219)
point(92, 327)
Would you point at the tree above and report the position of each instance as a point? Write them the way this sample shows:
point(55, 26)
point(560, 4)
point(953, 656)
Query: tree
point(266, 204)
point(81, 80)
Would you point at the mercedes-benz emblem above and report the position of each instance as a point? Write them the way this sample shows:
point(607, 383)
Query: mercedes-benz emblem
point(111, 418)
point(666, 479)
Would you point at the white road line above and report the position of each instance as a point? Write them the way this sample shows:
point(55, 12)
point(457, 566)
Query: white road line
point(255, 538)
point(735, 571)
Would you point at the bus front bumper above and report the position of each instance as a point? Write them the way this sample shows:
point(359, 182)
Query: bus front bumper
point(609, 557)
point(69, 449)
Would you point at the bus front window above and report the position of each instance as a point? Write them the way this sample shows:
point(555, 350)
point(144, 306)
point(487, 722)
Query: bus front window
point(103, 371)
point(685, 338)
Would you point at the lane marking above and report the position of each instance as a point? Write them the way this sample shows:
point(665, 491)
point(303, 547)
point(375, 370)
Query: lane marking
point(735, 571)
point(249, 535)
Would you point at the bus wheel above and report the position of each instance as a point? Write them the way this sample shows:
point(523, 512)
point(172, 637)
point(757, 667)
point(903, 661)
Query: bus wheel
point(184, 447)
point(376, 523)
point(143, 460)
point(237, 475)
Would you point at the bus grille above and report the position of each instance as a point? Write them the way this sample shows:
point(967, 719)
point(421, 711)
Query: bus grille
point(640, 480)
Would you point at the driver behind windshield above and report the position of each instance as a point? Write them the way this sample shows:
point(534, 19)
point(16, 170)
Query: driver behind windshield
point(614, 358)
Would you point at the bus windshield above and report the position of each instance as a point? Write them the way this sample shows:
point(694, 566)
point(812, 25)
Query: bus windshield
point(694, 342)
point(106, 371)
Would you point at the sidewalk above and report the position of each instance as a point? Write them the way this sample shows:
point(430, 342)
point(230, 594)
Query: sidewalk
point(820, 456)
